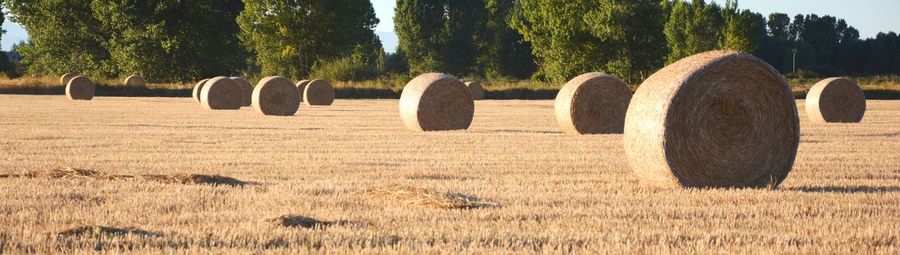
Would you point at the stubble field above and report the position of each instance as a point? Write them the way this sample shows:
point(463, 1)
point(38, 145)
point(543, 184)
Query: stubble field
point(350, 178)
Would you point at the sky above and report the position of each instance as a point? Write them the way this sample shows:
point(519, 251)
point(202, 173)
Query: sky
point(868, 16)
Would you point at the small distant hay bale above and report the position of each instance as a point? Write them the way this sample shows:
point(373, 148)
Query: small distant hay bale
point(246, 90)
point(276, 96)
point(476, 90)
point(318, 92)
point(301, 88)
point(436, 102)
point(80, 88)
point(135, 81)
point(718, 119)
point(836, 100)
point(198, 88)
point(221, 93)
point(593, 103)
point(64, 80)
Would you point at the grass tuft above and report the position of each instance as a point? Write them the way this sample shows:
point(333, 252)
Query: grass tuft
point(415, 196)
point(100, 231)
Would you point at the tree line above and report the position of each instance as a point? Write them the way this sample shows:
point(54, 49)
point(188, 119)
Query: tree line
point(548, 40)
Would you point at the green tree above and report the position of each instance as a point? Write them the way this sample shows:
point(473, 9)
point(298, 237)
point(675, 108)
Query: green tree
point(574, 37)
point(150, 37)
point(779, 26)
point(693, 28)
point(290, 37)
point(744, 30)
point(162, 40)
point(633, 32)
point(505, 52)
point(441, 35)
point(63, 37)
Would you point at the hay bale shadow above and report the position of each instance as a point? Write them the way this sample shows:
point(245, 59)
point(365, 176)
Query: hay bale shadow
point(59, 173)
point(415, 196)
point(214, 180)
point(98, 231)
point(299, 221)
point(71, 173)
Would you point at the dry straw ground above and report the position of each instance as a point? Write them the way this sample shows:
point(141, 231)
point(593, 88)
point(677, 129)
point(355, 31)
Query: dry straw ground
point(346, 178)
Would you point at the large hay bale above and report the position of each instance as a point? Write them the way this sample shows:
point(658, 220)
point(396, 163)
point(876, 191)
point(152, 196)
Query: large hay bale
point(593, 103)
point(80, 88)
point(135, 81)
point(64, 80)
point(436, 102)
point(198, 88)
point(277, 96)
point(476, 90)
point(221, 93)
point(318, 92)
point(301, 88)
point(716, 119)
point(246, 90)
point(836, 100)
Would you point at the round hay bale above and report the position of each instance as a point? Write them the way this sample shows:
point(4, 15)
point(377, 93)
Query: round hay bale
point(277, 96)
point(221, 93)
point(80, 88)
point(64, 80)
point(836, 100)
point(246, 90)
point(476, 90)
point(301, 88)
point(135, 81)
point(318, 92)
point(593, 103)
point(198, 88)
point(715, 119)
point(436, 102)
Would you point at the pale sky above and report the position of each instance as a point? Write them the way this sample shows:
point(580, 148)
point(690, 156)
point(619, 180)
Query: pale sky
point(869, 16)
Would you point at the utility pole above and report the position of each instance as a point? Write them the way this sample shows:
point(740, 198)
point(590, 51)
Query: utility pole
point(795, 62)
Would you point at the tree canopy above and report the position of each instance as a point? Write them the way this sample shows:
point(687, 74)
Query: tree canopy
point(290, 37)
point(573, 37)
point(548, 40)
point(162, 40)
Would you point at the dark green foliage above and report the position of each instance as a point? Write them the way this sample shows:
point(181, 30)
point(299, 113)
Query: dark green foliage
point(162, 40)
point(172, 40)
point(290, 37)
point(506, 53)
point(64, 37)
point(693, 28)
point(441, 35)
point(573, 37)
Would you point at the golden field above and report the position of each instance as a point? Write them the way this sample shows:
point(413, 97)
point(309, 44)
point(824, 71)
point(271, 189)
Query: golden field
point(350, 178)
